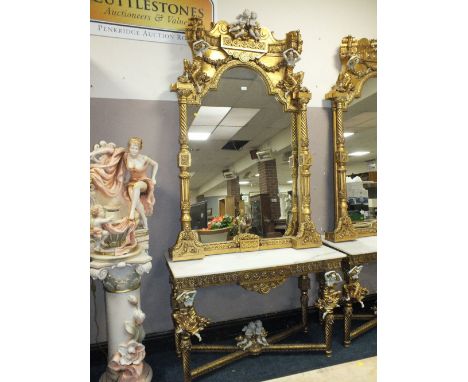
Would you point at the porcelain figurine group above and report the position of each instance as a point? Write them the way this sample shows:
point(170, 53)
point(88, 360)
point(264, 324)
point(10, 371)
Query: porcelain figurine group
point(122, 196)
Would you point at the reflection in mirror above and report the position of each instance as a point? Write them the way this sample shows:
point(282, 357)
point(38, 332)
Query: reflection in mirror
point(360, 131)
point(240, 142)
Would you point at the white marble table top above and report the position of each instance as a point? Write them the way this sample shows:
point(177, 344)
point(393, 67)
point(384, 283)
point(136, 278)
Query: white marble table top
point(244, 261)
point(361, 246)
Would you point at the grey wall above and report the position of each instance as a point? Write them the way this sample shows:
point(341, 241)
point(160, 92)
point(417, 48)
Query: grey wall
point(213, 202)
point(156, 122)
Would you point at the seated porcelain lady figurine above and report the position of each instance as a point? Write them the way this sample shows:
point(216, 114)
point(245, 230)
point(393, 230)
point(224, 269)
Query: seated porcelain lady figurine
point(108, 172)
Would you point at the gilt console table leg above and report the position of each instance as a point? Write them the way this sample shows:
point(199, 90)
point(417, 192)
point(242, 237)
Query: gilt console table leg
point(353, 291)
point(348, 314)
point(187, 323)
point(186, 348)
point(328, 300)
point(304, 286)
point(329, 319)
point(174, 306)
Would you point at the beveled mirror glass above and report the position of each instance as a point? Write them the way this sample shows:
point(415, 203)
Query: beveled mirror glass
point(354, 103)
point(360, 132)
point(240, 178)
point(244, 158)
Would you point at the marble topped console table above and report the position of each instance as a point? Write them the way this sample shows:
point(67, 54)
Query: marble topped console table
point(358, 253)
point(258, 271)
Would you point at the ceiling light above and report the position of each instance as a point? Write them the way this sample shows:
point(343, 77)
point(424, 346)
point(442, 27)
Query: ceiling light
point(198, 136)
point(243, 88)
point(346, 135)
point(244, 182)
point(359, 153)
point(257, 174)
point(289, 182)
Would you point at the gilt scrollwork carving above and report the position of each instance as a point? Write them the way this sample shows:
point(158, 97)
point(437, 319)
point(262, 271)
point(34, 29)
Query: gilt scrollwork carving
point(358, 63)
point(344, 230)
point(186, 318)
point(330, 297)
point(256, 277)
point(353, 290)
point(247, 242)
point(244, 41)
point(307, 236)
point(194, 74)
point(292, 82)
point(262, 287)
point(188, 246)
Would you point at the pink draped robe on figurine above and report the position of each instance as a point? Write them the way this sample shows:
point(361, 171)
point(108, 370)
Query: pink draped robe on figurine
point(119, 228)
point(108, 177)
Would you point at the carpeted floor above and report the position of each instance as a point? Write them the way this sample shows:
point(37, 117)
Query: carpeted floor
point(167, 367)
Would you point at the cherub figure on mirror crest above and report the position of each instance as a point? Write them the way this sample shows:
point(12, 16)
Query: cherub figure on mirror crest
point(245, 26)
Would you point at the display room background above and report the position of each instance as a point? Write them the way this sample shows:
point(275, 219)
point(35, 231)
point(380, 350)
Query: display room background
point(130, 97)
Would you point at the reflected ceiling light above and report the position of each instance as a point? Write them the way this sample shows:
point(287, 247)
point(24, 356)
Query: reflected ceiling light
point(193, 136)
point(239, 116)
point(225, 132)
point(289, 182)
point(244, 182)
point(348, 134)
point(257, 174)
point(243, 88)
point(359, 153)
point(210, 115)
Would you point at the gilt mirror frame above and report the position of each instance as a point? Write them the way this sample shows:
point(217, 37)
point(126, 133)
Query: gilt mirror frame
point(358, 64)
point(213, 53)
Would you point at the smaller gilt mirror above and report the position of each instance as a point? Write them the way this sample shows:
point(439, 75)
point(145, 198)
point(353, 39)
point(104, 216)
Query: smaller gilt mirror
point(354, 103)
point(244, 155)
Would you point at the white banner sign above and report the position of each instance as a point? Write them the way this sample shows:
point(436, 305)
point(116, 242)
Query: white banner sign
point(137, 33)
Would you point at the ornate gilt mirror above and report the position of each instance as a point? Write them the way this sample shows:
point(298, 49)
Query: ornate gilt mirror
point(354, 102)
point(244, 158)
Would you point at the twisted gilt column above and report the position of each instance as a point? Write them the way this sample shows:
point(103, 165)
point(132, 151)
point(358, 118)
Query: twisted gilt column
point(344, 229)
point(184, 165)
point(186, 347)
point(292, 226)
point(187, 245)
point(306, 161)
point(307, 236)
point(329, 319)
point(348, 314)
point(341, 159)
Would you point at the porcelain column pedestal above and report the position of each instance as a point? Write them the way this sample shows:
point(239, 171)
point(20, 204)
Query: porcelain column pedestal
point(121, 281)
